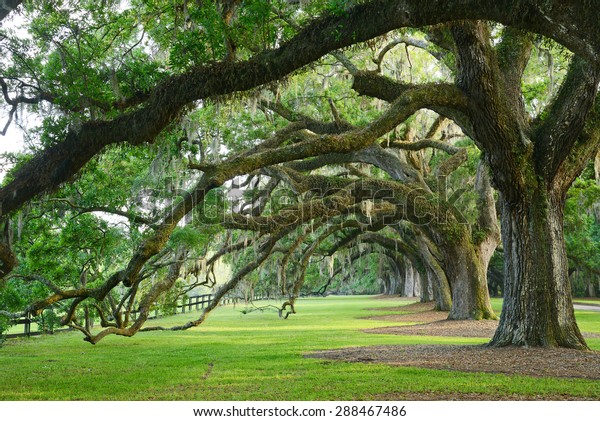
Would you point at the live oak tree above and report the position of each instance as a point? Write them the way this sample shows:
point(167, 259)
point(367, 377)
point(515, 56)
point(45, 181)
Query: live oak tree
point(533, 164)
point(328, 33)
point(533, 161)
point(465, 250)
point(468, 274)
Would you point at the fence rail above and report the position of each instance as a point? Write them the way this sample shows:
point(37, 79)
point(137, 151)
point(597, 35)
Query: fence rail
point(27, 332)
point(195, 302)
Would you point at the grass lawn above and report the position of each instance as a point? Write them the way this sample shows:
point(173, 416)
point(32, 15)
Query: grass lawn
point(592, 301)
point(19, 329)
point(255, 356)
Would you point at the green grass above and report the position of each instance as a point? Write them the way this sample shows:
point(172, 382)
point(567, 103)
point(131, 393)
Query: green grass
point(592, 301)
point(256, 356)
point(20, 328)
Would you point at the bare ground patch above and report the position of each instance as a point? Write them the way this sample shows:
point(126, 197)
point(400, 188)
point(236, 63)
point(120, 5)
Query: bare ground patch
point(510, 360)
point(537, 362)
point(435, 323)
point(412, 308)
point(420, 317)
point(441, 327)
point(393, 297)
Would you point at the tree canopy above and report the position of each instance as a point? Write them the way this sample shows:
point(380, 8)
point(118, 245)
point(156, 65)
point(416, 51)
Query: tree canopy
point(299, 142)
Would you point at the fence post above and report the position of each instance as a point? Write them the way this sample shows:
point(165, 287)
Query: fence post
point(27, 327)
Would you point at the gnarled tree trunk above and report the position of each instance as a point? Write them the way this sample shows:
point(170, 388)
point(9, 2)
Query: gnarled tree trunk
point(533, 163)
point(409, 281)
point(441, 288)
point(467, 275)
point(537, 310)
point(427, 287)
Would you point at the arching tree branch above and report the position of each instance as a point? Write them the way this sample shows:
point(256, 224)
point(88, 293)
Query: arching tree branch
point(57, 164)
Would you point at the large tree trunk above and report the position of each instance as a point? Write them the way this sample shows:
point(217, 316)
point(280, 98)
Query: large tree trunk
point(597, 167)
point(412, 280)
point(409, 280)
point(396, 280)
point(537, 309)
point(467, 275)
point(441, 291)
point(427, 280)
point(441, 288)
point(591, 286)
point(391, 283)
point(417, 283)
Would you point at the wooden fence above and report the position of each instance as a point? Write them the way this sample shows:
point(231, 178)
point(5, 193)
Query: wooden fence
point(195, 302)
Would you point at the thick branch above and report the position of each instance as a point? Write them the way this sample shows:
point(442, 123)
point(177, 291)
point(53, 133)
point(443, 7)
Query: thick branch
point(7, 6)
point(488, 236)
point(566, 118)
point(514, 52)
point(424, 144)
point(146, 302)
point(501, 127)
point(87, 209)
point(412, 42)
point(57, 164)
point(587, 147)
point(445, 99)
point(452, 163)
point(374, 155)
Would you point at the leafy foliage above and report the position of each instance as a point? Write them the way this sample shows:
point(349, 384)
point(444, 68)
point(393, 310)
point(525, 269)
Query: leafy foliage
point(144, 220)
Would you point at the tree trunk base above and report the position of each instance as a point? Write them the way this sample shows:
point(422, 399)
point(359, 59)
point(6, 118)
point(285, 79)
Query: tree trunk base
point(537, 310)
point(573, 340)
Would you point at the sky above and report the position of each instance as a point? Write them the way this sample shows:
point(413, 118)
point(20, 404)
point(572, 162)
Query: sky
point(13, 141)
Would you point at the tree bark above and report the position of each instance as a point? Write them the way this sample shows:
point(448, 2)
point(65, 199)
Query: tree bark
point(400, 278)
point(467, 276)
point(537, 309)
point(417, 283)
point(409, 280)
point(441, 288)
point(59, 163)
point(394, 280)
point(591, 286)
point(427, 281)
point(597, 167)
point(8, 6)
